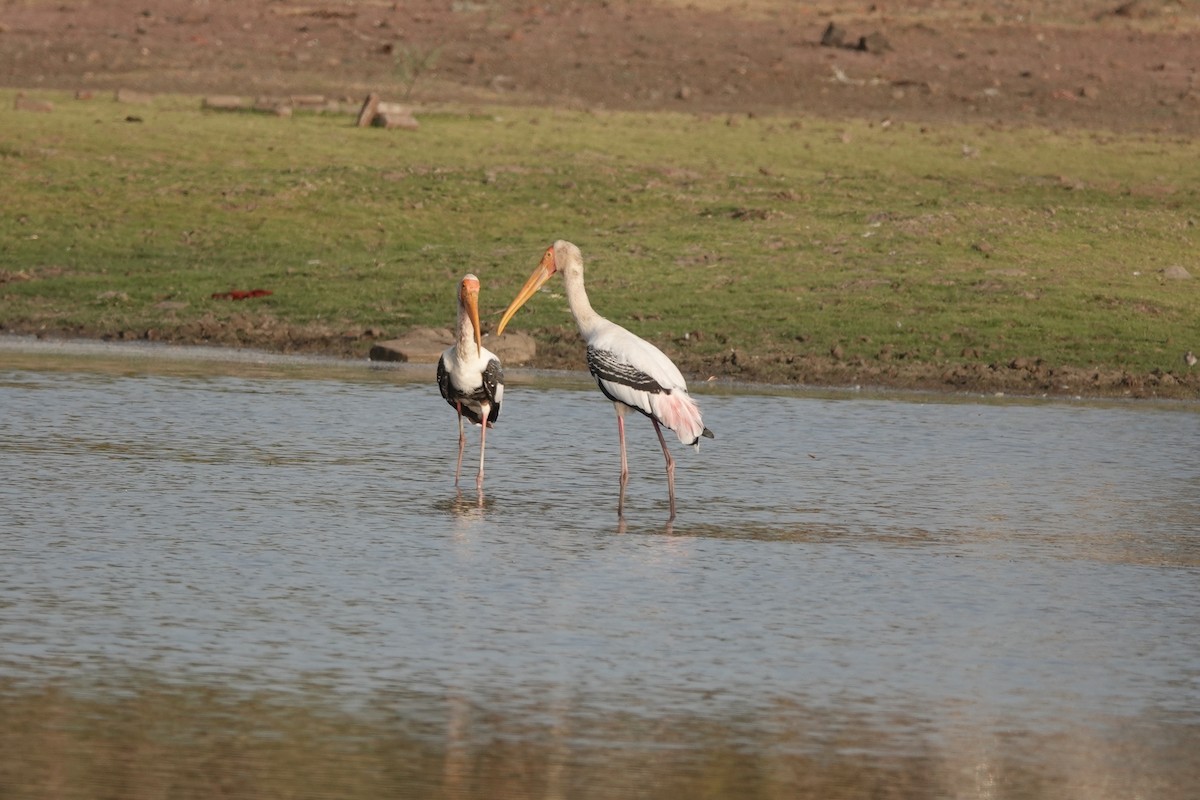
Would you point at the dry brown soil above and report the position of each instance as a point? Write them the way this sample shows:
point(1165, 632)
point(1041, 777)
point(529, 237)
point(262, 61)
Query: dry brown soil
point(1123, 65)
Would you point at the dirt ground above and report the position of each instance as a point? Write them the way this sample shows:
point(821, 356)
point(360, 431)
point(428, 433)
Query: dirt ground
point(1116, 64)
point(1122, 65)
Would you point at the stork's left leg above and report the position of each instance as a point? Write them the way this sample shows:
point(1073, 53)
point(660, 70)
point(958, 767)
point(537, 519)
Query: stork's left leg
point(462, 442)
point(484, 410)
point(624, 463)
point(670, 467)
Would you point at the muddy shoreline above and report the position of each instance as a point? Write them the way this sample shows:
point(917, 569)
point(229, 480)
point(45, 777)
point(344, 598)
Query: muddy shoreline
point(1018, 378)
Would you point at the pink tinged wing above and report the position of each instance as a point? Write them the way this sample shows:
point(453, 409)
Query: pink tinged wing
point(632, 371)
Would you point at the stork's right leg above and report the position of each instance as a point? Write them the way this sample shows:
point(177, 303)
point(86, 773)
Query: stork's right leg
point(670, 467)
point(484, 410)
point(462, 442)
point(624, 463)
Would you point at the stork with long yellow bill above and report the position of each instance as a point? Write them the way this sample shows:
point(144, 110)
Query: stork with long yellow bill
point(470, 376)
point(630, 371)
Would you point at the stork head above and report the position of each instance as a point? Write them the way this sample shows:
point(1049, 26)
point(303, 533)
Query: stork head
point(557, 257)
point(468, 303)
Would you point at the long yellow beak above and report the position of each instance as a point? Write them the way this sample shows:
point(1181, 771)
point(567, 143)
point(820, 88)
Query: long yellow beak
point(545, 268)
point(470, 300)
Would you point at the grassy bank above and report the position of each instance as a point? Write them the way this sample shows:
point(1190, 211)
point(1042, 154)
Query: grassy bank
point(766, 249)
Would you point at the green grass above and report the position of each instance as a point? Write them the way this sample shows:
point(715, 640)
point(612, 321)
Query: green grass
point(765, 235)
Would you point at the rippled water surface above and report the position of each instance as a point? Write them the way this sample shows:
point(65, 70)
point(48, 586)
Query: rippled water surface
point(260, 579)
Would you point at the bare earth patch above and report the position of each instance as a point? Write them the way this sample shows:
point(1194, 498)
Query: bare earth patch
point(1117, 65)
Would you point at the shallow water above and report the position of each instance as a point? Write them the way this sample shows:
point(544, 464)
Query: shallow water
point(861, 596)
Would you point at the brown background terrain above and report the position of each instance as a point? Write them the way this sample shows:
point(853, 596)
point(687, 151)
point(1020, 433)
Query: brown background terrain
point(1106, 63)
point(1124, 66)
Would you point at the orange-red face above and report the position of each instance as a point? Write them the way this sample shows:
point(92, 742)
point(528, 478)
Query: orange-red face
point(468, 297)
point(545, 268)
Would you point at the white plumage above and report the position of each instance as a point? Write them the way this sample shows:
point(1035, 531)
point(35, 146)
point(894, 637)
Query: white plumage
point(629, 370)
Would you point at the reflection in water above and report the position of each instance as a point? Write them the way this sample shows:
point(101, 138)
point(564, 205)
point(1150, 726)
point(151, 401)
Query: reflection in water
point(150, 739)
point(266, 584)
point(468, 505)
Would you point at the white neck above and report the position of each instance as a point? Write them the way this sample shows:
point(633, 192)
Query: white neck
point(572, 273)
point(466, 335)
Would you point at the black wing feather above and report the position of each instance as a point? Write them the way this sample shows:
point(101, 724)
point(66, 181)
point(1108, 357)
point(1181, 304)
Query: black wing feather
point(608, 366)
point(493, 378)
point(444, 381)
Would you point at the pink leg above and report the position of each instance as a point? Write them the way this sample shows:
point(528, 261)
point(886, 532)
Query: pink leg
point(484, 410)
point(670, 467)
point(624, 463)
point(462, 443)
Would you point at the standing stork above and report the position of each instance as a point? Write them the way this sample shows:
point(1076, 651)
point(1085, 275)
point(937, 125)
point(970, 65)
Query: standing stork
point(631, 372)
point(469, 375)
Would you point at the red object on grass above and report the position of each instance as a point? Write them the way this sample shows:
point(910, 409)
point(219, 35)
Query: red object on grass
point(240, 294)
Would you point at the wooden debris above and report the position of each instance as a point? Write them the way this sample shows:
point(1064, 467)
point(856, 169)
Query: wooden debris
point(279, 106)
point(311, 101)
point(379, 114)
point(405, 122)
point(223, 102)
point(367, 113)
point(273, 105)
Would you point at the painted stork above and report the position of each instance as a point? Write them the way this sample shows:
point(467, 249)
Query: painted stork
point(631, 372)
point(469, 375)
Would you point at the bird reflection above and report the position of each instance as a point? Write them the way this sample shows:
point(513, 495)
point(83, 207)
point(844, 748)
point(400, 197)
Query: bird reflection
point(467, 506)
point(668, 528)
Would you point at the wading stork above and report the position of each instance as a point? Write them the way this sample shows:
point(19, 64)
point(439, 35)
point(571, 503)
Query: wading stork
point(631, 372)
point(469, 375)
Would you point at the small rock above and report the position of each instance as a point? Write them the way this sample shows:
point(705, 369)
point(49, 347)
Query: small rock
point(512, 348)
point(425, 346)
point(1133, 9)
point(874, 43)
point(420, 346)
point(833, 36)
point(1176, 273)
